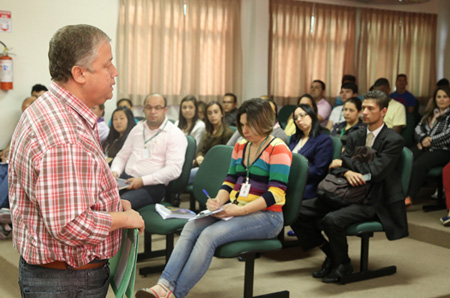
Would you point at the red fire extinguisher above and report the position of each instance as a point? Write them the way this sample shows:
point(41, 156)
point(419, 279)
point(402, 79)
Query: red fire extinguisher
point(6, 70)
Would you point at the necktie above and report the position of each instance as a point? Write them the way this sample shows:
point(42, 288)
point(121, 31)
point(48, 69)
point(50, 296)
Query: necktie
point(369, 139)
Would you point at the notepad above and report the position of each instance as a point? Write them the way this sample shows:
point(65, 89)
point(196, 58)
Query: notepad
point(174, 212)
point(122, 183)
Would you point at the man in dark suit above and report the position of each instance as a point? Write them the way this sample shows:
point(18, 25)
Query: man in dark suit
point(384, 202)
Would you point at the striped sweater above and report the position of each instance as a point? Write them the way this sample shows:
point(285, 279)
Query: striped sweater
point(268, 174)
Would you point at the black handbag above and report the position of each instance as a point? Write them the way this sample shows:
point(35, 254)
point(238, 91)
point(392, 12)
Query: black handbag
point(336, 192)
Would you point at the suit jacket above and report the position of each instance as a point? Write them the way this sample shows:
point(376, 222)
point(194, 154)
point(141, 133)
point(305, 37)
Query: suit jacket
point(319, 152)
point(386, 194)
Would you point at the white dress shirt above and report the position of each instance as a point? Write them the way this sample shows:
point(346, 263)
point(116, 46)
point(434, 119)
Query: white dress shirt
point(159, 161)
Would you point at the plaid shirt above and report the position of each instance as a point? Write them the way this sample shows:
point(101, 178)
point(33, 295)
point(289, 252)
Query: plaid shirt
point(60, 186)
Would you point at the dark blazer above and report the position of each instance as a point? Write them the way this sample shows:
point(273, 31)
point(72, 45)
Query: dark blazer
point(387, 194)
point(319, 152)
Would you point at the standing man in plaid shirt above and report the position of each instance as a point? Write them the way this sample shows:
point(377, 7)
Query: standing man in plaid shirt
point(65, 204)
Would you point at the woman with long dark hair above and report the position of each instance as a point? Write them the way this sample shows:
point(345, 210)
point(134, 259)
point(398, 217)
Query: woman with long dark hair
point(217, 131)
point(315, 145)
point(188, 120)
point(122, 122)
point(433, 141)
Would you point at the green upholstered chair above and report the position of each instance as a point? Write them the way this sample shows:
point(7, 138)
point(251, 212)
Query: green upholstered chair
point(220, 165)
point(248, 249)
point(436, 173)
point(408, 130)
point(337, 147)
point(284, 113)
point(155, 224)
point(210, 176)
point(365, 230)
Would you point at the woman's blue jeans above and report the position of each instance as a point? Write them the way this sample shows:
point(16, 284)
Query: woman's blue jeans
point(199, 239)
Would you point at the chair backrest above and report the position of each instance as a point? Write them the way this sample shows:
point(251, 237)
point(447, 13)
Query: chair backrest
point(212, 172)
point(408, 130)
point(295, 188)
point(178, 185)
point(404, 167)
point(284, 113)
point(337, 147)
point(233, 128)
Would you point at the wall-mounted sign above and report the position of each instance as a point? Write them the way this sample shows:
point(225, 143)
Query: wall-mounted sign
point(5, 21)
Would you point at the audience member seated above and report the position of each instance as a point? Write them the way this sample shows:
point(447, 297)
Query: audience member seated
point(433, 141)
point(347, 90)
point(201, 110)
point(152, 155)
point(230, 106)
point(402, 95)
point(122, 123)
point(384, 203)
point(352, 120)
point(446, 182)
point(440, 83)
point(347, 78)
point(304, 99)
point(125, 102)
point(317, 91)
point(277, 131)
point(37, 90)
point(188, 120)
point(217, 131)
point(396, 114)
point(257, 213)
point(315, 145)
point(103, 128)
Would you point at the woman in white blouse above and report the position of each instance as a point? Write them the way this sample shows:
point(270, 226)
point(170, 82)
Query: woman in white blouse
point(188, 120)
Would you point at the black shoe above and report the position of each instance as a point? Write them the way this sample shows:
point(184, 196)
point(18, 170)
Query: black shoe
point(326, 268)
point(336, 274)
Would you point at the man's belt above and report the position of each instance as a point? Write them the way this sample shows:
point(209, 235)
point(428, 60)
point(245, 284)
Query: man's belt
point(64, 266)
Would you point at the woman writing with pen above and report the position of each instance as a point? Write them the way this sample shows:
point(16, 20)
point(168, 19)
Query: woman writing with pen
point(256, 186)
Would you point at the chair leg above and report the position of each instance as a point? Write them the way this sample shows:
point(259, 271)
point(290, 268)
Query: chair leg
point(249, 279)
point(148, 253)
point(364, 272)
point(167, 252)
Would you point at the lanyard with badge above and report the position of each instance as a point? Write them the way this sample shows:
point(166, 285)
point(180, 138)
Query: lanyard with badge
point(245, 187)
point(145, 152)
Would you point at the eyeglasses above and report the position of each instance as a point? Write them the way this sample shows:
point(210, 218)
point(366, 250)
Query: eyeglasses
point(300, 116)
point(157, 108)
point(228, 102)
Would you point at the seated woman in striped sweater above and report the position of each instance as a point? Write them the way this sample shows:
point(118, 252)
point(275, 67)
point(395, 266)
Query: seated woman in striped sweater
point(255, 185)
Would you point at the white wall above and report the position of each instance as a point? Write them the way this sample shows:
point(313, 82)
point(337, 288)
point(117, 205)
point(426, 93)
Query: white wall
point(33, 25)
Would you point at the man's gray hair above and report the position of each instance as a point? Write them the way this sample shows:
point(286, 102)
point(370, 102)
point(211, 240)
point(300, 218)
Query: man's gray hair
point(73, 45)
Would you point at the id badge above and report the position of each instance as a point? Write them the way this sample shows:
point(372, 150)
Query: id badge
point(245, 190)
point(145, 153)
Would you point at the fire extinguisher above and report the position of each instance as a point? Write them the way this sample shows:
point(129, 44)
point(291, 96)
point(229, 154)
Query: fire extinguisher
point(6, 70)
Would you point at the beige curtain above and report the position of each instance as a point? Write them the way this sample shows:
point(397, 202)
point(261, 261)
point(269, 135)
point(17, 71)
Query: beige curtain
point(393, 42)
point(302, 49)
point(178, 47)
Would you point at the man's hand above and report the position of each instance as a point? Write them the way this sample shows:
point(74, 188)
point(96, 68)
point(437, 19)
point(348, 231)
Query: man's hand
point(135, 183)
point(126, 205)
point(354, 178)
point(336, 163)
point(115, 175)
point(134, 220)
point(419, 146)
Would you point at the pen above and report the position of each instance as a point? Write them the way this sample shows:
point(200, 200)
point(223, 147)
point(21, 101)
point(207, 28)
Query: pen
point(206, 194)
